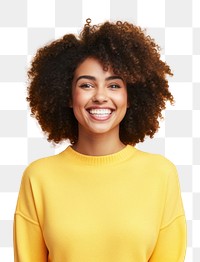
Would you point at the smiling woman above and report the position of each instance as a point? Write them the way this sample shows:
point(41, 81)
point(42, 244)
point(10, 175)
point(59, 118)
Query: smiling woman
point(101, 199)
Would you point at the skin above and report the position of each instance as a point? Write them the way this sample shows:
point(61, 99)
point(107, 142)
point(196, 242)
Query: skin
point(99, 102)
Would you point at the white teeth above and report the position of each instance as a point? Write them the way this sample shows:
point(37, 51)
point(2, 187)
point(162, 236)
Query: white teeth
point(103, 111)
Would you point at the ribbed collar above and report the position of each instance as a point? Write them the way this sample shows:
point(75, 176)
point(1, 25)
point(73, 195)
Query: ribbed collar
point(73, 156)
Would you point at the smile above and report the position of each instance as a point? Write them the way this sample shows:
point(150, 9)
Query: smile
point(100, 113)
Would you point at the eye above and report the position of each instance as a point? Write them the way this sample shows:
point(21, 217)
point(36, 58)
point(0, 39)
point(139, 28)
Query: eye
point(86, 85)
point(114, 86)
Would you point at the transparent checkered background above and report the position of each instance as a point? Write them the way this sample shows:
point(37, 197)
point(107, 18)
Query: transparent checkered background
point(27, 25)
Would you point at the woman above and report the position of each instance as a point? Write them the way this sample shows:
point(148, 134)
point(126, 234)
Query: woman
point(101, 199)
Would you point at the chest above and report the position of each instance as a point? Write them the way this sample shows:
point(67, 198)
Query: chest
point(120, 215)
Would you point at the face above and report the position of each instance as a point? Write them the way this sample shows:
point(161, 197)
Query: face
point(99, 98)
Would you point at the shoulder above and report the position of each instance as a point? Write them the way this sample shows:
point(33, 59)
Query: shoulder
point(41, 167)
point(157, 159)
point(159, 169)
point(156, 162)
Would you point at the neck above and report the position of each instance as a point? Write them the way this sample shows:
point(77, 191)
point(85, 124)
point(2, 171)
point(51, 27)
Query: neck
point(98, 145)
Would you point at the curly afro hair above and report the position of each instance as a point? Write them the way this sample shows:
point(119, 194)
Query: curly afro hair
point(128, 51)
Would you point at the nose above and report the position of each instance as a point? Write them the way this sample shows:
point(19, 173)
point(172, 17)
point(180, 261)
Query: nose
point(100, 95)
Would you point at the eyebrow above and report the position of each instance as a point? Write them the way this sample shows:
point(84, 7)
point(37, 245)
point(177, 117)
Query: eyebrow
point(94, 78)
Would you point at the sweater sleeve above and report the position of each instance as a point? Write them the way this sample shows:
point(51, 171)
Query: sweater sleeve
point(29, 244)
point(171, 241)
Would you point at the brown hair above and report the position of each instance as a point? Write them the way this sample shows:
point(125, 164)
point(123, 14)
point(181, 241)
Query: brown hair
point(131, 54)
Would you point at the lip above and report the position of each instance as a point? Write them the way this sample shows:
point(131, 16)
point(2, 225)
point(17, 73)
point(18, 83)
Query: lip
point(100, 107)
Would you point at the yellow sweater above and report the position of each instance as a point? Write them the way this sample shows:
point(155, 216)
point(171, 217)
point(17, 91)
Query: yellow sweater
point(124, 207)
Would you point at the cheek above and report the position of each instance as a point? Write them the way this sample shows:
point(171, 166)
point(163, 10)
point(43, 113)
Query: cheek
point(80, 101)
point(78, 98)
point(122, 99)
